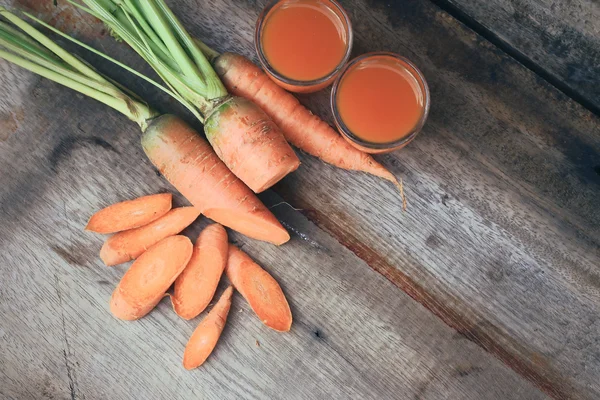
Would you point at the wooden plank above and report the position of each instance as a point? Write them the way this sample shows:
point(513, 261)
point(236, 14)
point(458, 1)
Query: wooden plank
point(355, 334)
point(558, 39)
point(502, 235)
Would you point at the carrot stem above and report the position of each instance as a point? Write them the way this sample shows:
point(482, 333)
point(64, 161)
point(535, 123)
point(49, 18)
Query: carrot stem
point(120, 64)
point(36, 53)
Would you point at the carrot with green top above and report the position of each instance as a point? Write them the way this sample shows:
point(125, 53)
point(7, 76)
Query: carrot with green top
point(129, 245)
point(260, 290)
point(196, 286)
point(186, 159)
point(146, 281)
point(205, 337)
point(242, 134)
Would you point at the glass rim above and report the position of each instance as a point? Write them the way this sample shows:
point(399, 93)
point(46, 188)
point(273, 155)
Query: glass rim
point(293, 82)
point(374, 145)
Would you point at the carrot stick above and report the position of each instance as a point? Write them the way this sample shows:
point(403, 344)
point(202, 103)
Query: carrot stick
point(196, 285)
point(129, 245)
point(250, 144)
point(149, 277)
point(300, 127)
point(205, 337)
point(187, 161)
point(130, 214)
point(260, 290)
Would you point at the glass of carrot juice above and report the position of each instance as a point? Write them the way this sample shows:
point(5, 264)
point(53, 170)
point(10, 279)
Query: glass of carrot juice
point(380, 102)
point(303, 44)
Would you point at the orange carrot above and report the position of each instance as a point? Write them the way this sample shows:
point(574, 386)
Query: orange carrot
point(190, 164)
point(205, 337)
point(149, 277)
point(260, 290)
point(129, 245)
point(196, 285)
point(130, 214)
point(300, 127)
point(253, 146)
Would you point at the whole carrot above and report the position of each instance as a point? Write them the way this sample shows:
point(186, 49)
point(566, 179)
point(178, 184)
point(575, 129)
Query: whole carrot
point(130, 214)
point(300, 127)
point(145, 283)
point(190, 164)
point(260, 290)
point(196, 286)
point(129, 245)
point(205, 337)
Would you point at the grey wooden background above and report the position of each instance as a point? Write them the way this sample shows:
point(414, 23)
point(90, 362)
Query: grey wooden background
point(488, 287)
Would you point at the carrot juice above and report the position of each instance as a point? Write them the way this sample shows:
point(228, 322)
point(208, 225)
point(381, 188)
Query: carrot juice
point(303, 43)
point(380, 100)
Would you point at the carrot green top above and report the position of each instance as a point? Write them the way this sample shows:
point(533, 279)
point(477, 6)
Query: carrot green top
point(155, 33)
point(32, 50)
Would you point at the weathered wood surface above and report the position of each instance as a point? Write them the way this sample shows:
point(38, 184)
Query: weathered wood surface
point(502, 235)
point(556, 38)
point(500, 241)
point(355, 335)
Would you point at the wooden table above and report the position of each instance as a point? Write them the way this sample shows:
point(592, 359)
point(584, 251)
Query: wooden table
point(487, 288)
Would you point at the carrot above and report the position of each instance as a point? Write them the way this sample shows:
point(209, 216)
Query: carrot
point(129, 245)
point(149, 277)
point(196, 285)
point(205, 337)
point(130, 214)
point(300, 127)
point(260, 290)
point(190, 164)
point(253, 146)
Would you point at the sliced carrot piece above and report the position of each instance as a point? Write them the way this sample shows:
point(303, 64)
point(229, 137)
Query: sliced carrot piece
point(205, 337)
point(196, 286)
point(260, 290)
point(145, 283)
point(130, 214)
point(129, 245)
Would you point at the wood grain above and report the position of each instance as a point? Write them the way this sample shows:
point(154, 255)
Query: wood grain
point(501, 240)
point(355, 335)
point(502, 235)
point(558, 39)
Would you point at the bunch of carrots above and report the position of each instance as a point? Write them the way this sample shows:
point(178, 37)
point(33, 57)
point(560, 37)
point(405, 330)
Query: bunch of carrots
point(146, 230)
point(249, 122)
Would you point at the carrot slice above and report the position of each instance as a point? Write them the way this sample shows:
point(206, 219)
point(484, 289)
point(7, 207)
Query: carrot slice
point(196, 286)
point(130, 214)
point(149, 277)
point(205, 337)
point(260, 290)
point(129, 245)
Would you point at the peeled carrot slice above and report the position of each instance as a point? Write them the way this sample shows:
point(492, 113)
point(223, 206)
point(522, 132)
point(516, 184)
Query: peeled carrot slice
point(205, 337)
point(129, 245)
point(145, 283)
point(260, 290)
point(130, 214)
point(196, 286)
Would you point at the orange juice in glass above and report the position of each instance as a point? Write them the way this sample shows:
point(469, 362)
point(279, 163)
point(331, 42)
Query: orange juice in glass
point(303, 44)
point(380, 102)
